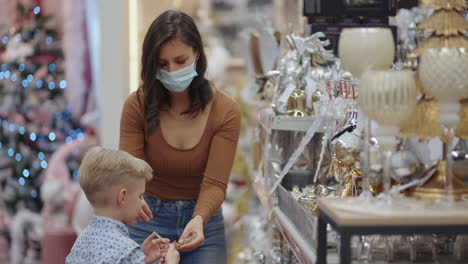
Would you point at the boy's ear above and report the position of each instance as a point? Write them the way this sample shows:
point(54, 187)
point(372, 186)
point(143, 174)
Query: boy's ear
point(121, 196)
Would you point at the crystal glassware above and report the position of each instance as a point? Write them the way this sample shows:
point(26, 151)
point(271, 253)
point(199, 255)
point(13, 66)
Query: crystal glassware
point(400, 248)
point(388, 97)
point(361, 49)
point(461, 244)
point(380, 248)
point(422, 248)
point(444, 75)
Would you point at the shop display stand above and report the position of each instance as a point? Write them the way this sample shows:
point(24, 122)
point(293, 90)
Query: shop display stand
point(348, 222)
point(295, 224)
point(301, 248)
point(300, 245)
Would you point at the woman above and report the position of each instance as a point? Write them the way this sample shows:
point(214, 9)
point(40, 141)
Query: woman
point(188, 132)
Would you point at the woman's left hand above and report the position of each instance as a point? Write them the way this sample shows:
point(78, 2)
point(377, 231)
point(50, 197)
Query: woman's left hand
point(193, 233)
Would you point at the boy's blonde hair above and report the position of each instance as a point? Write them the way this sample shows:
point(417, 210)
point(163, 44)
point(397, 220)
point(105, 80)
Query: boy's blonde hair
point(102, 169)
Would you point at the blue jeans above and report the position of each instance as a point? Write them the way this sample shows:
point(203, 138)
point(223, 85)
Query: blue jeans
point(170, 219)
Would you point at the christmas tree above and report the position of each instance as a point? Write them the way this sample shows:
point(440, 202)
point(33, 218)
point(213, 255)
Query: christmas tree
point(447, 25)
point(34, 117)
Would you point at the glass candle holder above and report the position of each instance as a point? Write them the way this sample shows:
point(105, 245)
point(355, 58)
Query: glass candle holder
point(362, 49)
point(444, 75)
point(388, 97)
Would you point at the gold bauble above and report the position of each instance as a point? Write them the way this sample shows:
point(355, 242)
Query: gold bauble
point(297, 104)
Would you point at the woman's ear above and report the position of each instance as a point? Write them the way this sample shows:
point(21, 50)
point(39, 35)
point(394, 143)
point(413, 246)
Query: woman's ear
point(121, 196)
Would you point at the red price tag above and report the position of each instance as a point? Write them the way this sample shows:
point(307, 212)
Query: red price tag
point(354, 92)
point(341, 87)
point(346, 90)
point(329, 89)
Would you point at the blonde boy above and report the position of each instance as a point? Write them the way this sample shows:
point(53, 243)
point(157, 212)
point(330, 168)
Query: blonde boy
point(114, 183)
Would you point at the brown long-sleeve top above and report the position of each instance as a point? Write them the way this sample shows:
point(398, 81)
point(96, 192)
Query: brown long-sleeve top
point(200, 173)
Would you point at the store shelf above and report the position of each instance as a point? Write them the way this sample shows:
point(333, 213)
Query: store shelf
point(291, 123)
point(302, 249)
point(270, 121)
point(295, 227)
point(301, 246)
point(303, 252)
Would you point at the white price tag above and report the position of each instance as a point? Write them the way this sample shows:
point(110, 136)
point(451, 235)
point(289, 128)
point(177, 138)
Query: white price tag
point(310, 89)
point(287, 93)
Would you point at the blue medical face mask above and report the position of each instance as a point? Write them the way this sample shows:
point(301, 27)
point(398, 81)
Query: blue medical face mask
point(177, 81)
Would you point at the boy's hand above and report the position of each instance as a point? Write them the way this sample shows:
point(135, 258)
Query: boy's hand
point(145, 213)
point(193, 233)
point(154, 249)
point(172, 256)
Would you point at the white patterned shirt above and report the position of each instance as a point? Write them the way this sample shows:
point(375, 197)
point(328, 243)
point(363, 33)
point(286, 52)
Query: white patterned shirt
point(105, 241)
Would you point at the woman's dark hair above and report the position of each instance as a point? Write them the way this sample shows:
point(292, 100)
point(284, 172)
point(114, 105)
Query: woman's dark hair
point(171, 25)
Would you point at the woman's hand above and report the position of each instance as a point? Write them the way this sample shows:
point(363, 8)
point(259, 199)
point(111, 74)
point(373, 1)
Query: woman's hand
point(145, 213)
point(193, 234)
point(154, 249)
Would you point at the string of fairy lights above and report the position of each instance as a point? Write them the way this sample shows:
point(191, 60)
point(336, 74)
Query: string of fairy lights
point(41, 159)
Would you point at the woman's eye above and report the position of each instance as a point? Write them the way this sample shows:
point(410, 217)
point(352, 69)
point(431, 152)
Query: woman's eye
point(181, 62)
point(162, 64)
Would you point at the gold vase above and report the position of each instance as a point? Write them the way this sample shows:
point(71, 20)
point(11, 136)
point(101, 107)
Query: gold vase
point(425, 121)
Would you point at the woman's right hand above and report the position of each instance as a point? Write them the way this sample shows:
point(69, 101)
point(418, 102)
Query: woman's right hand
point(145, 213)
point(172, 256)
